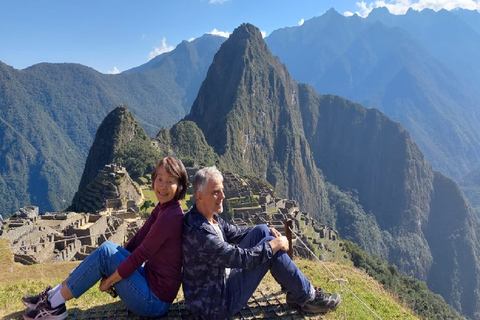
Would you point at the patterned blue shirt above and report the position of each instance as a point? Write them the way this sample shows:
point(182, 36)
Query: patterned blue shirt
point(205, 256)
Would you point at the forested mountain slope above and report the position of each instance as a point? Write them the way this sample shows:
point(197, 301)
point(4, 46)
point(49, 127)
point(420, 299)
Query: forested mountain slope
point(421, 69)
point(49, 114)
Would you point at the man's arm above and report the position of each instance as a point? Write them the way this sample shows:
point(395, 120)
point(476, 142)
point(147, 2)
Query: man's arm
point(211, 250)
point(234, 234)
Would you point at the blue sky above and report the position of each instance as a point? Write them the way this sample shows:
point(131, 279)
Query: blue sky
point(115, 35)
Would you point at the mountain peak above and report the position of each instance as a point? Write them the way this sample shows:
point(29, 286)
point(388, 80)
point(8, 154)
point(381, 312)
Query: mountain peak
point(241, 57)
point(118, 130)
point(246, 30)
point(248, 109)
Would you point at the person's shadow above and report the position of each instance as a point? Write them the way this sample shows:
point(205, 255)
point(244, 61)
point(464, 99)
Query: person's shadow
point(114, 311)
point(260, 306)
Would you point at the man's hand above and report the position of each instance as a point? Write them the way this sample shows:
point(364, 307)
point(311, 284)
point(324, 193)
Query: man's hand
point(279, 243)
point(274, 232)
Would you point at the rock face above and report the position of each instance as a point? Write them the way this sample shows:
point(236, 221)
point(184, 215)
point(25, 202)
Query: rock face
point(362, 149)
point(248, 110)
point(261, 122)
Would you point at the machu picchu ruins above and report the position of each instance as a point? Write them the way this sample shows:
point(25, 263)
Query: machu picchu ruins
point(64, 236)
point(110, 189)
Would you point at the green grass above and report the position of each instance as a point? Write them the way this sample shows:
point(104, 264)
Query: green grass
point(17, 280)
point(366, 288)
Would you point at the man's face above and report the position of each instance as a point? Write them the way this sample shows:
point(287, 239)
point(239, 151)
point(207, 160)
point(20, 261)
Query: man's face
point(213, 196)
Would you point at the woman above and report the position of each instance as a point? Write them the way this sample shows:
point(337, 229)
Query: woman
point(147, 290)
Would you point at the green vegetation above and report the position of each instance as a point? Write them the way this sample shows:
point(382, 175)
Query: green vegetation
point(186, 141)
point(412, 292)
point(138, 157)
point(353, 223)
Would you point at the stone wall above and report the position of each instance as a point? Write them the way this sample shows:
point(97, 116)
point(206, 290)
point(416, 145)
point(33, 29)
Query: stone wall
point(72, 236)
point(69, 252)
point(14, 234)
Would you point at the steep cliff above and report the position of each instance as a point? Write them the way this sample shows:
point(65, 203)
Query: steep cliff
point(452, 233)
point(248, 110)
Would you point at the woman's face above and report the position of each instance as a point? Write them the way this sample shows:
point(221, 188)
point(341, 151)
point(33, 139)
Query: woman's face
point(165, 186)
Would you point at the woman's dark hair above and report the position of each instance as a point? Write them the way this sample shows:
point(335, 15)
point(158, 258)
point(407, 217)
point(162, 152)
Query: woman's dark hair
point(175, 167)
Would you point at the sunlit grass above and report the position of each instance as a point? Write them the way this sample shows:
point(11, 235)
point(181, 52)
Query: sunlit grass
point(17, 280)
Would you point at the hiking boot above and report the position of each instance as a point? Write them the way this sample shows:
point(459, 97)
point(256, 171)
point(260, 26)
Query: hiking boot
point(323, 302)
point(45, 311)
point(291, 302)
point(31, 301)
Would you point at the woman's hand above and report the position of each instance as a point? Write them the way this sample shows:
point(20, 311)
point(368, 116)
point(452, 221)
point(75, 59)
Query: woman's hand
point(107, 283)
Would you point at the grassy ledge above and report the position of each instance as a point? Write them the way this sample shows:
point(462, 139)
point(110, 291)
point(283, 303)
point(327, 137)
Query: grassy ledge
point(17, 280)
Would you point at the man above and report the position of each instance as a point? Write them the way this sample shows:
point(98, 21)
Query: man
point(223, 264)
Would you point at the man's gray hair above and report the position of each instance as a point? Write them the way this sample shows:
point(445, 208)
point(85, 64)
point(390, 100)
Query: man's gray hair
point(202, 177)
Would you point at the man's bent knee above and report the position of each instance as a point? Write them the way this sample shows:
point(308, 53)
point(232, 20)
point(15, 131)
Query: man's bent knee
point(263, 228)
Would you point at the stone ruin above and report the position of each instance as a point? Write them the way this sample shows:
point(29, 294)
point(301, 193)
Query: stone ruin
point(274, 211)
point(111, 212)
point(65, 236)
point(112, 188)
point(62, 236)
point(111, 204)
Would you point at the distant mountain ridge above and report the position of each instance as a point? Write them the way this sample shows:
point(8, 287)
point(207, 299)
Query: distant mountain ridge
point(377, 47)
point(49, 114)
point(421, 69)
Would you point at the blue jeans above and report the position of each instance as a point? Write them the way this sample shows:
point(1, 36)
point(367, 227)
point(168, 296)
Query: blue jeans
point(242, 283)
point(134, 290)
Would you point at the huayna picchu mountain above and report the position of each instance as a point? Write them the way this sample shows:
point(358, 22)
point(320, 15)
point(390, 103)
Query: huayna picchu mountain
point(310, 147)
point(247, 108)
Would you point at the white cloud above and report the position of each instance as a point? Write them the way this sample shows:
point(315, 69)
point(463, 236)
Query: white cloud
point(217, 1)
point(113, 71)
point(216, 32)
point(401, 6)
point(159, 50)
point(264, 34)
point(301, 22)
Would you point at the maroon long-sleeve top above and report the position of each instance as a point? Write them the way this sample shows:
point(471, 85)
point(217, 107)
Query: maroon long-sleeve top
point(158, 243)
